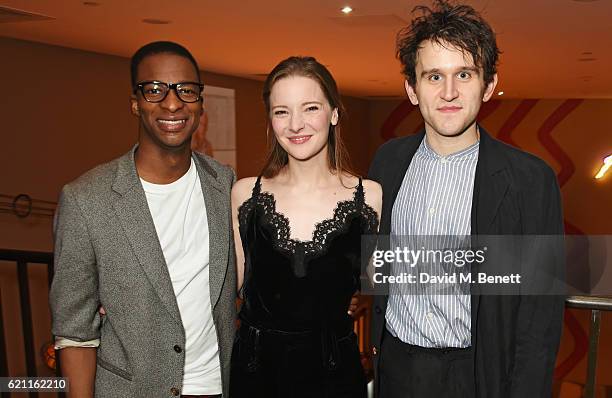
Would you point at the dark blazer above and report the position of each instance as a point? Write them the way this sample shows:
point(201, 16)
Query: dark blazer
point(107, 253)
point(514, 338)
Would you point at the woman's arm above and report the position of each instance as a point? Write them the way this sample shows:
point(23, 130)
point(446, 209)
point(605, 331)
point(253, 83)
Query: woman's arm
point(241, 191)
point(373, 196)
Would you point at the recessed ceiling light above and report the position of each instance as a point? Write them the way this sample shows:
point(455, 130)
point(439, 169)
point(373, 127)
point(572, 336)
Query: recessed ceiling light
point(347, 10)
point(91, 3)
point(154, 21)
point(500, 93)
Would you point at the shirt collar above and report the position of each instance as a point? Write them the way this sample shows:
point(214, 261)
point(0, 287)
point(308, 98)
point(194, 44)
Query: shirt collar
point(426, 151)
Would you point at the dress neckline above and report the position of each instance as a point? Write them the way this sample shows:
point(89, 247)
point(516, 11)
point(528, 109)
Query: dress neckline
point(262, 206)
point(324, 230)
point(319, 225)
point(358, 199)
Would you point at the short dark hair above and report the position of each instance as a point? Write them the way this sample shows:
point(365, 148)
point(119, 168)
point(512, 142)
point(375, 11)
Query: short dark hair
point(458, 25)
point(337, 156)
point(159, 47)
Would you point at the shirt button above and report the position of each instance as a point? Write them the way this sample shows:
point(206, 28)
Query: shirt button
point(432, 210)
point(443, 160)
point(177, 348)
point(430, 315)
point(174, 391)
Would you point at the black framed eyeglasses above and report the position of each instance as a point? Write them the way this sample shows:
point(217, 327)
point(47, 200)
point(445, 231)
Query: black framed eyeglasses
point(155, 91)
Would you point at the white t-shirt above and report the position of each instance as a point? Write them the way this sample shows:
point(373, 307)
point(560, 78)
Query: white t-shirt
point(179, 215)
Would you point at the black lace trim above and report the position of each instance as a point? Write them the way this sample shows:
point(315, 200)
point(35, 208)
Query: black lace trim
point(324, 231)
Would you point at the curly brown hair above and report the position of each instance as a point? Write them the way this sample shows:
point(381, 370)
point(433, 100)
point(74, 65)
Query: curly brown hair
point(458, 25)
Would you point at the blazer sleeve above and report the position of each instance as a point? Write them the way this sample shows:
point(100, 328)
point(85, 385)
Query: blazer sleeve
point(73, 296)
point(540, 316)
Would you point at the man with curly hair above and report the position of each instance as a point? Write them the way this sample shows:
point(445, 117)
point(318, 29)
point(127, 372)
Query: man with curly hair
point(454, 179)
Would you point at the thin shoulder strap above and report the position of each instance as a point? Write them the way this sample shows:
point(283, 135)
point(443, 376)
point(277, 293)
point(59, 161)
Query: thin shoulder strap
point(257, 186)
point(359, 194)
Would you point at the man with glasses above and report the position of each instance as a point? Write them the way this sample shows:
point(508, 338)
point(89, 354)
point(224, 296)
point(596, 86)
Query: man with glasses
point(147, 237)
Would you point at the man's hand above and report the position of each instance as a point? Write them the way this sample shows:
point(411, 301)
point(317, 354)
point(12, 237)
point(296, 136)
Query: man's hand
point(354, 304)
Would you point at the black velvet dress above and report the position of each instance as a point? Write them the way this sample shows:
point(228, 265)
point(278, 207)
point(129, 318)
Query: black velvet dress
point(296, 338)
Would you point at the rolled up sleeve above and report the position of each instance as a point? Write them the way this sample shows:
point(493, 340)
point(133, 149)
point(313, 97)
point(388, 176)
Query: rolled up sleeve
point(73, 296)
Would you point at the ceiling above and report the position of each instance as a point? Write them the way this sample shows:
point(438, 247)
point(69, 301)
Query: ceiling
point(551, 48)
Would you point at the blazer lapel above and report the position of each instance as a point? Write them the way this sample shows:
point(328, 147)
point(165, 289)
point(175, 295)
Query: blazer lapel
point(490, 185)
point(133, 213)
point(218, 214)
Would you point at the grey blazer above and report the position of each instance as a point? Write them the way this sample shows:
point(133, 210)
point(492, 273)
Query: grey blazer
point(107, 253)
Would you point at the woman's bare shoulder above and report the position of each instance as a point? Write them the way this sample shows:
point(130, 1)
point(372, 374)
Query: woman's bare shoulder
point(373, 194)
point(242, 190)
point(372, 186)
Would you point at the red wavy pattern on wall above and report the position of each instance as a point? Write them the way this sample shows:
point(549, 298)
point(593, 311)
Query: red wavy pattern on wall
point(394, 119)
point(517, 116)
point(566, 172)
point(545, 137)
point(488, 108)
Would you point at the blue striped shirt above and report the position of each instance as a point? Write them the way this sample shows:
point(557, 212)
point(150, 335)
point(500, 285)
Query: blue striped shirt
point(432, 211)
